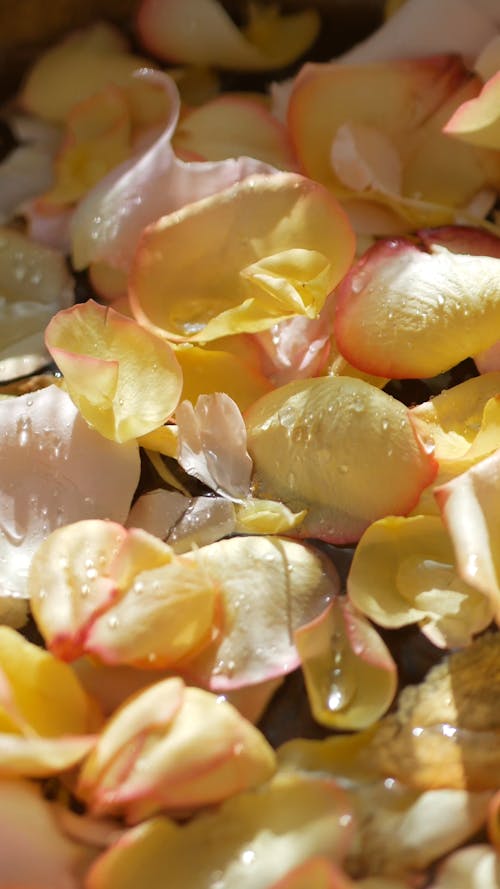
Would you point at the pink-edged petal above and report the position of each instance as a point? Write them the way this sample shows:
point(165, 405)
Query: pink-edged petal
point(478, 120)
point(461, 239)
point(48, 224)
point(286, 244)
point(250, 841)
point(469, 505)
point(316, 873)
point(200, 32)
point(183, 522)
point(335, 446)
point(234, 126)
point(109, 220)
point(43, 432)
point(34, 285)
point(458, 26)
point(402, 312)
point(124, 380)
point(173, 748)
point(475, 867)
point(350, 676)
point(212, 444)
point(269, 586)
point(42, 757)
point(35, 852)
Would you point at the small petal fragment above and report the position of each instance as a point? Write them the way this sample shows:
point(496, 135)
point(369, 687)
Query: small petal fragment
point(404, 571)
point(350, 676)
point(200, 32)
point(173, 748)
point(212, 444)
point(183, 522)
point(403, 313)
point(124, 380)
point(283, 244)
point(251, 840)
point(309, 443)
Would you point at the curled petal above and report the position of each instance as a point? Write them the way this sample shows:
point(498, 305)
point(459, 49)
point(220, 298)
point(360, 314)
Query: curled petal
point(43, 431)
point(308, 441)
point(173, 748)
point(478, 120)
point(109, 220)
point(350, 676)
point(469, 505)
point(102, 355)
point(212, 444)
point(34, 285)
point(251, 840)
point(200, 32)
point(286, 243)
point(255, 516)
point(404, 313)
point(404, 571)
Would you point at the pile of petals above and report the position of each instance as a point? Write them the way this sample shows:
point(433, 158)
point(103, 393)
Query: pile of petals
point(216, 496)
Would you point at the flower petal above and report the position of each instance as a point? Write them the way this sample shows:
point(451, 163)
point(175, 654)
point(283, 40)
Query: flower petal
point(278, 827)
point(404, 571)
point(173, 748)
point(340, 448)
point(350, 676)
point(478, 120)
point(34, 285)
point(119, 391)
point(42, 431)
point(286, 243)
point(212, 444)
point(405, 313)
point(475, 867)
point(183, 522)
point(109, 220)
point(200, 32)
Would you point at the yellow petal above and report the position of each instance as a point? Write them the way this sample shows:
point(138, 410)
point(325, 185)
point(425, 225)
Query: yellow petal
point(285, 243)
point(227, 365)
point(477, 120)
point(124, 380)
point(476, 865)
point(350, 676)
point(250, 841)
point(266, 517)
point(173, 748)
point(404, 571)
point(200, 32)
point(340, 448)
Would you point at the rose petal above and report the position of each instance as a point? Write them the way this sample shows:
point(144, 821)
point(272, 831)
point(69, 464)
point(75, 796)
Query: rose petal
point(231, 365)
point(42, 432)
point(286, 243)
point(232, 126)
point(404, 572)
point(250, 841)
point(108, 222)
point(124, 380)
point(405, 313)
point(350, 675)
point(34, 285)
point(212, 444)
point(200, 32)
point(475, 867)
point(339, 448)
point(183, 522)
point(173, 748)
point(478, 120)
